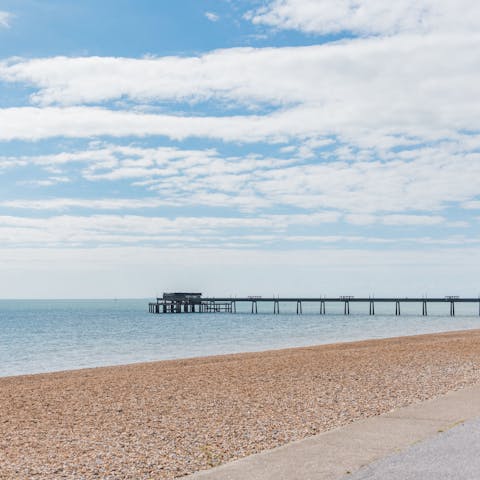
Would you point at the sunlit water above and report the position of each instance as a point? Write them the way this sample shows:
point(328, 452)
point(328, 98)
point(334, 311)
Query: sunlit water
point(43, 336)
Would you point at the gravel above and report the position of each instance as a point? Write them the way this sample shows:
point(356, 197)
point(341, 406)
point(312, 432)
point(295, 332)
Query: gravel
point(167, 419)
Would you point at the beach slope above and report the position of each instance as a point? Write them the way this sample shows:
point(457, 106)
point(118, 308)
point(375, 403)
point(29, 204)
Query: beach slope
point(167, 419)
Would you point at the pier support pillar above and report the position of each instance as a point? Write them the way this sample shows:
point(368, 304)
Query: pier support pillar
point(254, 306)
point(322, 307)
point(299, 307)
point(233, 305)
point(371, 310)
point(346, 308)
point(276, 307)
point(397, 307)
point(452, 309)
point(424, 308)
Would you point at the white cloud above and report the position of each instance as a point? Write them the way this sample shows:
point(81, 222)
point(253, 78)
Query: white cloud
point(396, 220)
point(91, 204)
point(425, 89)
point(413, 220)
point(432, 180)
point(213, 17)
point(418, 183)
point(5, 19)
point(472, 205)
point(369, 16)
point(66, 231)
point(260, 75)
point(30, 123)
point(47, 182)
point(70, 230)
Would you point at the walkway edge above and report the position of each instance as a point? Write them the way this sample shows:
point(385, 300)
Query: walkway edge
point(332, 455)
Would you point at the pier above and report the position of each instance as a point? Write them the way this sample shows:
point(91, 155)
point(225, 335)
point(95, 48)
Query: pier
point(184, 302)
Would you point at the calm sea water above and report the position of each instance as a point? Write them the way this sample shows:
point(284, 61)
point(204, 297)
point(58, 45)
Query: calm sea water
point(42, 336)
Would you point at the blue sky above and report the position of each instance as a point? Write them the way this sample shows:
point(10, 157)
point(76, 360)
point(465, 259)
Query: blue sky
point(283, 146)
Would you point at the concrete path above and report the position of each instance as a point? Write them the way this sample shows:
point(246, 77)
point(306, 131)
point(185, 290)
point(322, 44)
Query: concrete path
point(344, 451)
point(452, 455)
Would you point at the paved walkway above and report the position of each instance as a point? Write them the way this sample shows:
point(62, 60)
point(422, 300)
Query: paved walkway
point(344, 451)
point(452, 455)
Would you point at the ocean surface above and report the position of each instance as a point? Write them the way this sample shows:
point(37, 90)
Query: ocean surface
point(44, 335)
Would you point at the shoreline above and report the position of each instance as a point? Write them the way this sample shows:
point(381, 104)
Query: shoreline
point(234, 354)
point(169, 418)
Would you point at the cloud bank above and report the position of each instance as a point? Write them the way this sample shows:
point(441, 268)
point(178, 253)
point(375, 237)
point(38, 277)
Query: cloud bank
point(423, 91)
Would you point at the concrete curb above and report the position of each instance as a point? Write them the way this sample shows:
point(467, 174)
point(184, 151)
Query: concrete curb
point(333, 454)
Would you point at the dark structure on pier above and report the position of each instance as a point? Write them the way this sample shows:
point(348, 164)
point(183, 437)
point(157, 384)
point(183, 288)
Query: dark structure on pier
point(187, 302)
point(184, 302)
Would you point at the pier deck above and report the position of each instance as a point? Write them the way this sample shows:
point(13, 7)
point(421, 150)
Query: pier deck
point(196, 303)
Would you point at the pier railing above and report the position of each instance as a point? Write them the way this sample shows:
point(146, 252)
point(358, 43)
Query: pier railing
point(229, 304)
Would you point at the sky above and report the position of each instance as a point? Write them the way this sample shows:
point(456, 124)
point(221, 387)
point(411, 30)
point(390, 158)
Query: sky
point(316, 147)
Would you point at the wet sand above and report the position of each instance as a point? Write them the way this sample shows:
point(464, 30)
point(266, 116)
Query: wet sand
point(166, 419)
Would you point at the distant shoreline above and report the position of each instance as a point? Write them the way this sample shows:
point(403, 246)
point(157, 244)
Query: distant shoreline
point(174, 417)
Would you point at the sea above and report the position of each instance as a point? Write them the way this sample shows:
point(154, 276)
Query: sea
point(51, 335)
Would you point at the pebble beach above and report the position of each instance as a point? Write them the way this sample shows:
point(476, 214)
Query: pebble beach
point(168, 419)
